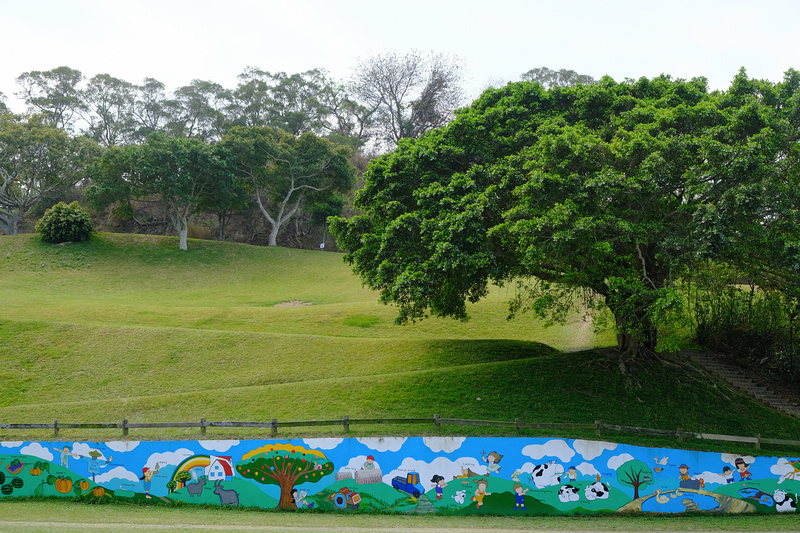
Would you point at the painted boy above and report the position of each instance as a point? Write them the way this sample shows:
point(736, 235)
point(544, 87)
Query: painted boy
point(480, 492)
point(520, 496)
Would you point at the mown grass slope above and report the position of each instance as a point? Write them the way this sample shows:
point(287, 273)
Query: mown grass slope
point(128, 326)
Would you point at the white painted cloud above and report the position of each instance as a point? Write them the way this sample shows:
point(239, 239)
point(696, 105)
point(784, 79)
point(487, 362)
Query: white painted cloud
point(731, 458)
point(12, 444)
point(356, 463)
point(618, 460)
point(712, 478)
point(37, 450)
point(784, 470)
point(218, 445)
point(443, 444)
point(587, 469)
point(83, 449)
point(553, 448)
point(118, 473)
point(440, 466)
point(591, 449)
point(383, 444)
point(168, 458)
point(323, 444)
point(123, 446)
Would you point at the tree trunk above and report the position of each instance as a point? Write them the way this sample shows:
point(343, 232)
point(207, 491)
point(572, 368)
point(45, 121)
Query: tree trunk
point(273, 235)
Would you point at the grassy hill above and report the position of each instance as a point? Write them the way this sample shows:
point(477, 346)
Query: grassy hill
point(128, 326)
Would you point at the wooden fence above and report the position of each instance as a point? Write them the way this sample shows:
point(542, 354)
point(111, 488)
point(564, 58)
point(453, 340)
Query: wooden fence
point(438, 421)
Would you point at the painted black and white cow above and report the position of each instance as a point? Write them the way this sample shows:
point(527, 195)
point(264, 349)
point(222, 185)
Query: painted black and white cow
point(568, 493)
point(596, 491)
point(547, 474)
point(783, 503)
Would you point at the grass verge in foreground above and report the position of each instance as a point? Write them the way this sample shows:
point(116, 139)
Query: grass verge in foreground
point(66, 516)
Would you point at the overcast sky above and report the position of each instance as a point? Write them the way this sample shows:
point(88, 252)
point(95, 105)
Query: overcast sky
point(176, 41)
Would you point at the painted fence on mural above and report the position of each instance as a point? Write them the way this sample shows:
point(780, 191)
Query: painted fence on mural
point(449, 475)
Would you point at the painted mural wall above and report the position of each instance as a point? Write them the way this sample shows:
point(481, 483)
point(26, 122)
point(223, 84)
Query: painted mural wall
point(450, 475)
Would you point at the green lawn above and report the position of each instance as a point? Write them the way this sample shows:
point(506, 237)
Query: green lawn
point(129, 327)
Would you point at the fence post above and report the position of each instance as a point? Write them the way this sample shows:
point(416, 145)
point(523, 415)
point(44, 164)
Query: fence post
point(55, 427)
point(436, 421)
point(597, 427)
point(346, 423)
point(516, 423)
point(274, 430)
point(124, 427)
point(758, 441)
point(203, 426)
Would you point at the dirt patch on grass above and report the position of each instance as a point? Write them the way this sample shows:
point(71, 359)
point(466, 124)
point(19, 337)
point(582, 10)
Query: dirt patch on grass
point(293, 303)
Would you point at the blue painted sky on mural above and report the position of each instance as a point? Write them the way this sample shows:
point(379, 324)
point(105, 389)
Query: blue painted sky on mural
point(176, 41)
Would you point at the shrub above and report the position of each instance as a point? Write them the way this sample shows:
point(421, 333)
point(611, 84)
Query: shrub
point(65, 223)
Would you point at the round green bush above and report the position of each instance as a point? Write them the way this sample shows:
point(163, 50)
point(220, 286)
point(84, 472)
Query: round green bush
point(65, 223)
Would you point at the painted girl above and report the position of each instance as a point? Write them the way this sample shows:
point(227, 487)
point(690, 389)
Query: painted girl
point(741, 466)
point(492, 460)
point(439, 484)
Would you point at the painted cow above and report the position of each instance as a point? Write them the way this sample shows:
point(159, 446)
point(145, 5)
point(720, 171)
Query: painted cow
point(783, 503)
point(596, 491)
point(568, 493)
point(547, 474)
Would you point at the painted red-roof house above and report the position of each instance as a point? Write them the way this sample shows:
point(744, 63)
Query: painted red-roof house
point(219, 468)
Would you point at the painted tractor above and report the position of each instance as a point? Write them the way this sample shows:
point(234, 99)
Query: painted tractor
point(345, 496)
point(409, 484)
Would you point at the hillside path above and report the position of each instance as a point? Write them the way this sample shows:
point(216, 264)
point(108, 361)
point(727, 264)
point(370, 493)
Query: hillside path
point(743, 383)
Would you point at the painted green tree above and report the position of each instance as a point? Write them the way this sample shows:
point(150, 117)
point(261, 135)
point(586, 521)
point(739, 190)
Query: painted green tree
point(635, 474)
point(284, 465)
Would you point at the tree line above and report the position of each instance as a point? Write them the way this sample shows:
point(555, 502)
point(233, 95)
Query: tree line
point(118, 144)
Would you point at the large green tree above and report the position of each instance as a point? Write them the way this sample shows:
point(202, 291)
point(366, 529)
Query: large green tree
point(287, 171)
point(612, 188)
point(53, 93)
point(37, 161)
point(176, 171)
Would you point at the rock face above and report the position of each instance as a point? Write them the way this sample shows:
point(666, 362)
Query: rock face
point(727, 504)
point(369, 477)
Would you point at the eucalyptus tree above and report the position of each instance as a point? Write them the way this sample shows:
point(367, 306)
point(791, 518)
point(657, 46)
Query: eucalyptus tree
point(279, 100)
point(153, 110)
point(286, 171)
point(550, 78)
point(612, 189)
point(37, 160)
point(109, 105)
point(54, 93)
point(199, 110)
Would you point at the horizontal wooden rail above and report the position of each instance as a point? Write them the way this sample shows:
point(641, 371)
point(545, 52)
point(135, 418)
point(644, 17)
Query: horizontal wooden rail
point(437, 420)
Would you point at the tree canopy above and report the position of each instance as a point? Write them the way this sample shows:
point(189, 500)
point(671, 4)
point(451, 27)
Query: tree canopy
point(286, 171)
point(614, 189)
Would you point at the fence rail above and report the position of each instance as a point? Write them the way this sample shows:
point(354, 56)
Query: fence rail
point(438, 421)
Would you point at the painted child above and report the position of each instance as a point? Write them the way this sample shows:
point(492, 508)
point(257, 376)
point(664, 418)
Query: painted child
point(728, 474)
point(492, 460)
point(65, 453)
point(480, 492)
point(741, 466)
point(147, 478)
point(520, 496)
point(439, 484)
point(299, 499)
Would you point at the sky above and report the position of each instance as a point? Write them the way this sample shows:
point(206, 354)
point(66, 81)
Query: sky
point(495, 41)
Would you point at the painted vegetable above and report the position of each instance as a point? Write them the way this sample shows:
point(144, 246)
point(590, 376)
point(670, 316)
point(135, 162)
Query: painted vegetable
point(17, 483)
point(98, 492)
point(63, 485)
point(84, 485)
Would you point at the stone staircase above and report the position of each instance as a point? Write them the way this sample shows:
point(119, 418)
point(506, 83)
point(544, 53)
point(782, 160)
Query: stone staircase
point(739, 380)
